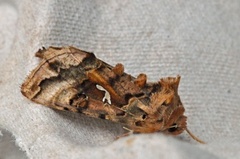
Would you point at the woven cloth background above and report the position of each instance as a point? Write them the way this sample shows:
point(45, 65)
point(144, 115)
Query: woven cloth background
point(200, 40)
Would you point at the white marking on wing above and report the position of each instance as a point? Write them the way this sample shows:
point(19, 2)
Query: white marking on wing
point(106, 96)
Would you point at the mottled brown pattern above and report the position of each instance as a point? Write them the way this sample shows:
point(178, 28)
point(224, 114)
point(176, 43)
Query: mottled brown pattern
point(69, 79)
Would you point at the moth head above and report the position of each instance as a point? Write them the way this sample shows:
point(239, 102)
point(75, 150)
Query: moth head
point(166, 102)
point(176, 123)
point(173, 116)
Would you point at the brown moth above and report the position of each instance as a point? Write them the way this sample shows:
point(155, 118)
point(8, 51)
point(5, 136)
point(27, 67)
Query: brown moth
point(74, 80)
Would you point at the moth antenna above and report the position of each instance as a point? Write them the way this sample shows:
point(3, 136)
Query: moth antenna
point(194, 137)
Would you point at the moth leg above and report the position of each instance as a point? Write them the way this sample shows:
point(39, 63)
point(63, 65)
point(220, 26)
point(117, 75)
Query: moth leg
point(130, 132)
point(141, 80)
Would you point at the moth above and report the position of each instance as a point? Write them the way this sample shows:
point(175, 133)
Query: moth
point(70, 79)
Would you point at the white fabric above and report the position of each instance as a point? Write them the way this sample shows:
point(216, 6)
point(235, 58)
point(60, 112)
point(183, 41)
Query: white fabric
point(199, 40)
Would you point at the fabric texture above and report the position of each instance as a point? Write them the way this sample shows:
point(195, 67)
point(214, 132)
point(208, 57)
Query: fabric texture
point(199, 40)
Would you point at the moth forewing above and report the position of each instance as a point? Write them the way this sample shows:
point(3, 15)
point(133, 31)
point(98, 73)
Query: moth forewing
point(73, 80)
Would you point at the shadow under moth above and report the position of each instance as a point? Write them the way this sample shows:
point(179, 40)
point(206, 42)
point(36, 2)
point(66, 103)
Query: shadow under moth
point(73, 80)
